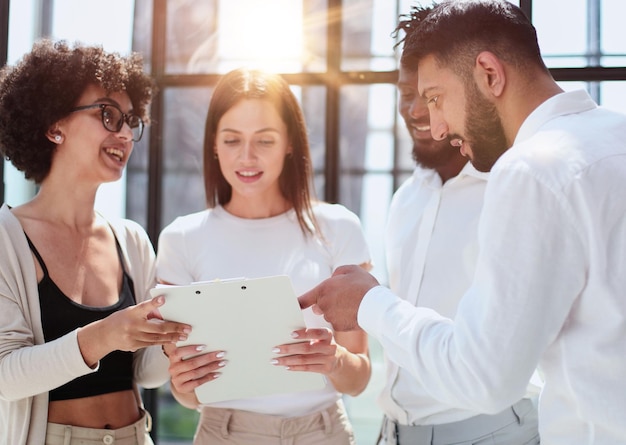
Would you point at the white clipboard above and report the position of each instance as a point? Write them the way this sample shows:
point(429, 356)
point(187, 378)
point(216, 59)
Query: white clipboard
point(246, 318)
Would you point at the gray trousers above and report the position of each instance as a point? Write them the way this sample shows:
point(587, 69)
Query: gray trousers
point(516, 425)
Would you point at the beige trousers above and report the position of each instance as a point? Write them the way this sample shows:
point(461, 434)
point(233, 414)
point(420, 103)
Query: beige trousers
point(225, 426)
point(135, 434)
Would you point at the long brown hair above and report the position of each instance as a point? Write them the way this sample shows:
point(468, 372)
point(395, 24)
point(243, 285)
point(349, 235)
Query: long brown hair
point(296, 177)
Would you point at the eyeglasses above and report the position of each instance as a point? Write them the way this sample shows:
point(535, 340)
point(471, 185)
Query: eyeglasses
point(113, 119)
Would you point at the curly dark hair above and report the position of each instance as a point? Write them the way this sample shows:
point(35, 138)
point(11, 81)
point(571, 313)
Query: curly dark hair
point(409, 22)
point(45, 85)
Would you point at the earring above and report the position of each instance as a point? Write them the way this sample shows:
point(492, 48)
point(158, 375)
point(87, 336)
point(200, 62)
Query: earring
point(57, 138)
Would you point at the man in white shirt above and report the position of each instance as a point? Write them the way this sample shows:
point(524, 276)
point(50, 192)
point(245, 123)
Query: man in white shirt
point(432, 245)
point(549, 287)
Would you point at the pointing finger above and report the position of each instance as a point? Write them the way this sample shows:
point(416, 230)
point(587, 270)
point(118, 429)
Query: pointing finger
point(308, 298)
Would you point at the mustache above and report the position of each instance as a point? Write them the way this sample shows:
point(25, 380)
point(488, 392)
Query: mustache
point(419, 122)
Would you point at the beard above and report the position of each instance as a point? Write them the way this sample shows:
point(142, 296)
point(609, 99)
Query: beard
point(485, 133)
point(428, 152)
point(433, 154)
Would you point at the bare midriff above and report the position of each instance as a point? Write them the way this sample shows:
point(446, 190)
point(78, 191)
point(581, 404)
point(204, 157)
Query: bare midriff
point(105, 411)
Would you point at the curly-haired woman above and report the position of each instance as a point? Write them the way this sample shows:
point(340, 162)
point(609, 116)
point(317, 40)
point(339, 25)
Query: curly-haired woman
point(77, 329)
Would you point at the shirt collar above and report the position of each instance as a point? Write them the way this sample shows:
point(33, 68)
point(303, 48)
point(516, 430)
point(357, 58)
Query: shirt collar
point(430, 177)
point(559, 105)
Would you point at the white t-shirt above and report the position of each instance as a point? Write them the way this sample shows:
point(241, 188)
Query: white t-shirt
point(214, 244)
point(549, 288)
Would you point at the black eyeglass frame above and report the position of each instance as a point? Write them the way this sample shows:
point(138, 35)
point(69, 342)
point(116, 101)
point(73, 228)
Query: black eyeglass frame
point(120, 123)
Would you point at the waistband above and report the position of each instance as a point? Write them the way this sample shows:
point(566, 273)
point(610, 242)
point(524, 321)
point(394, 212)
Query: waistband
point(479, 425)
point(231, 420)
point(133, 434)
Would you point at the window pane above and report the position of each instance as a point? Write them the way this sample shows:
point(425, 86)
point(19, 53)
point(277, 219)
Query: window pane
point(369, 196)
point(215, 36)
point(367, 125)
point(142, 31)
point(613, 95)
point(567, 46)
point(613, 35)
point(404, 147)
point(313, 103)
point(366, 41)
point(191, 36)
point(183, 133)
point(375, 198)
point(367, 128)
point(137, 181)
point(94, 25)
point(354, 102)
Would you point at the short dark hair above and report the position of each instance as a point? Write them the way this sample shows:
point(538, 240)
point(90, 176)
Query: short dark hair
point(45, 85)
point(296, 177)
point(455, 32)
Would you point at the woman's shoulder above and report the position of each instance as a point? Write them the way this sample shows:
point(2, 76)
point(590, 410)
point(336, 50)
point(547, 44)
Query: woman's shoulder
point(8, 221)
point(336, 219)
point(125, 226)
point(12, 237)
point(190, 223)
point(130, 235)
point(325, 211)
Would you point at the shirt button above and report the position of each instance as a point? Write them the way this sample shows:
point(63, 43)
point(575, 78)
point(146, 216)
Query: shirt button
point(108, 439)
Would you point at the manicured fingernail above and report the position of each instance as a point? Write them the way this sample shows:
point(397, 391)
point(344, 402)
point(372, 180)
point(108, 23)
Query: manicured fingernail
point(182, 338)
point(294, 334)
point(222, 363)
point(274, 361)
point(186, 330)
point(220, 354)
point(200, 348)
point(216, 375)
point(276, 350)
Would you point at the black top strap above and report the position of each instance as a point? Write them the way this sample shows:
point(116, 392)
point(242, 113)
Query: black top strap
point(37, 255)
point(120, 255)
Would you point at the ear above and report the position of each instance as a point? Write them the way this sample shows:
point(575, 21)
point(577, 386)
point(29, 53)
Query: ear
point(55, 135)
point(489, 74)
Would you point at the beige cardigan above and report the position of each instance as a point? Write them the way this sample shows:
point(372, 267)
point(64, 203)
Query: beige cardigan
point(29, 367)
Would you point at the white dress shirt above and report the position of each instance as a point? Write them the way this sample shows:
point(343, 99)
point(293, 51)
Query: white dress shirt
point(431, 245)
point(549, 288)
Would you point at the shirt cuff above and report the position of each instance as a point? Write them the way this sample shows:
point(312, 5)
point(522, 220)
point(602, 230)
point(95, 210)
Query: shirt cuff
point(375, 303)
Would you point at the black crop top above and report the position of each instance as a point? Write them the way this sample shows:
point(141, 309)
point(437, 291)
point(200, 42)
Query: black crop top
point(60, 315)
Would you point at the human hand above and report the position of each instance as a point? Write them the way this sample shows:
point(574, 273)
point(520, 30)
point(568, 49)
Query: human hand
point(338, 297)
point(317, 354)
point(190, 367)
point(129, 330)
point(141, 325)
